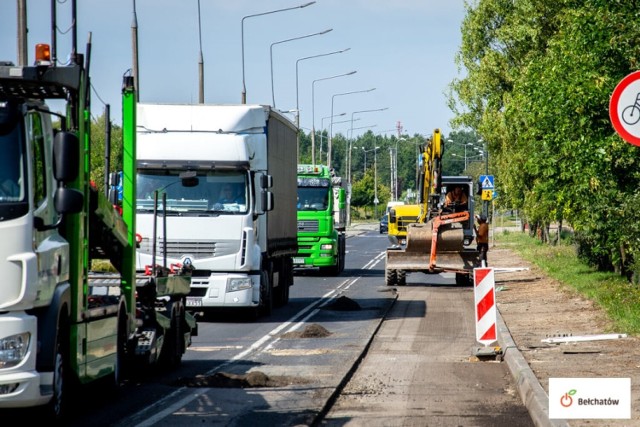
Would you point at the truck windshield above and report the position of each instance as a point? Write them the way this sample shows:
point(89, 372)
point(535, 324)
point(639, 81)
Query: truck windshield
point(313, 198)
point(201, 192)
point(12, 162)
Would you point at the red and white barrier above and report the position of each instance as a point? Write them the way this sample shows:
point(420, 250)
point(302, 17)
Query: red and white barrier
point(485, 304)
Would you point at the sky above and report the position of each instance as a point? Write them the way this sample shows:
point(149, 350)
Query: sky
point(402, 52)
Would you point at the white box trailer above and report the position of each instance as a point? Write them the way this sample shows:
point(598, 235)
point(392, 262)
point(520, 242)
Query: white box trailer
point(225, 178)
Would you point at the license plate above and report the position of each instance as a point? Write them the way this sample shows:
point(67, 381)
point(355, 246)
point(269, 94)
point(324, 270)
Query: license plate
point(194, 302)
point(298, 260)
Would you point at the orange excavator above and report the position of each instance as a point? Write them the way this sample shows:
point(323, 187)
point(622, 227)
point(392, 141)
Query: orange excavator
point(440, 239)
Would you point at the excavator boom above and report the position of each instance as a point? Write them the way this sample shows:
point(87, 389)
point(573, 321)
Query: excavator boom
point(439, 240)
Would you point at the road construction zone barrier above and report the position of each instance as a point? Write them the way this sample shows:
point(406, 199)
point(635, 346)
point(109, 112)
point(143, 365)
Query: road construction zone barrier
point(485, 305)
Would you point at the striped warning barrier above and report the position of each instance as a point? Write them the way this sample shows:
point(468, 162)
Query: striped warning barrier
point(485, 305)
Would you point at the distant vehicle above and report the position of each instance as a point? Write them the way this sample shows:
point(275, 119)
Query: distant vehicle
point(384, 224)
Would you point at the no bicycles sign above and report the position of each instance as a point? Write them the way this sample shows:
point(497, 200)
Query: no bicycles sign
point(624, 108)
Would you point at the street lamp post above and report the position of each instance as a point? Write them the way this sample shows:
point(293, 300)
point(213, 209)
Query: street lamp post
point(321, 128)
point(313, 115)
point(322, 136)
point(273, 97)
point(297, 97)
point(200, 61)
point(365, 151)
point(244, 87)
point(331, 123)
point(375, 175)
point(348, 153)
point(347, 166)
point(375, 180)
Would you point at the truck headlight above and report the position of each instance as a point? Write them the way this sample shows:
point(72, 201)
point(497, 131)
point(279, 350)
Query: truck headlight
point(238, 284)
point(326, 247)
point(13, 349)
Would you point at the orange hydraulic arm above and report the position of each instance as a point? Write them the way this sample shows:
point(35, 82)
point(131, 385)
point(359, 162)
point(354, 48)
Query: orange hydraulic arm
point(437, 222)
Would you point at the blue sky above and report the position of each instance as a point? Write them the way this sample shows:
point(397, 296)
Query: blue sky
point(404, 49)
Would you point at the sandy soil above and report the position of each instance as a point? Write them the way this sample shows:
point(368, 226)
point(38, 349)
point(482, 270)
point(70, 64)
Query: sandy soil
point(535, 308)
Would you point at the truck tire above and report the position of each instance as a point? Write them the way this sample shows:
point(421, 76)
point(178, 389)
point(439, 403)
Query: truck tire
point(463, 279)
point(122, 368)
point(60, 405)
point(265, 307)
point(342, 251)
point(401, 277)
point(171, 353)
point(285, 281)
point(390, 277)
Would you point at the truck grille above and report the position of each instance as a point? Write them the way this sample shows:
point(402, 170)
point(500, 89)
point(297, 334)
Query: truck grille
point(308, 225)
point(197, 248)
point(403, 222)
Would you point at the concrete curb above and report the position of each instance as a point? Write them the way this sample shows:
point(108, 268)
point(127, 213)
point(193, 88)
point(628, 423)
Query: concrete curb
point(531, 392)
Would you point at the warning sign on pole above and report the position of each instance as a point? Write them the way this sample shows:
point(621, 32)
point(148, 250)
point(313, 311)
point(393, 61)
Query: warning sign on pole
point(485, 302)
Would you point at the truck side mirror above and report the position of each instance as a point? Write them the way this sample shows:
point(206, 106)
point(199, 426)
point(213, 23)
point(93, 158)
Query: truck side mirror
point(266, 181)
point(267, 201)
point(66, 157)
point(68, 200)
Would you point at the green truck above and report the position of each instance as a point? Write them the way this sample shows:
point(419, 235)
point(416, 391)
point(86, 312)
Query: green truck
point(322, 213)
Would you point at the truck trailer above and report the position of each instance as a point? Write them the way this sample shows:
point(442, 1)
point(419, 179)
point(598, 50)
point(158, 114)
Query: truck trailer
point(63, 324)
point(228, 173)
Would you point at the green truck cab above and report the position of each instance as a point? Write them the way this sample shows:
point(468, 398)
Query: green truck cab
point(322, 213)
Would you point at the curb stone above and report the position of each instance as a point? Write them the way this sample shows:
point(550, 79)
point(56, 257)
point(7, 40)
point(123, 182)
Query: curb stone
point(531, 391)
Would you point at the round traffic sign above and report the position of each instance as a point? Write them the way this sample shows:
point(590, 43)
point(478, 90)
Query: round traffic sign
point(624, 108)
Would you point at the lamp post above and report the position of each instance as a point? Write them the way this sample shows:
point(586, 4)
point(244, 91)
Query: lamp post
point(393, 166)
point(313, 115)
point(297, 97)
point(244, 87)
point(200, 61)
point(375, 174)
point(348, 153)
point(365, 151)
point(273, 97)
point(321, 135)
point(331, 123)
point(347, 166)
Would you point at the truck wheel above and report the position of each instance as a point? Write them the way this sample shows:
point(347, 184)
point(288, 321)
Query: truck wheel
point(401, 277)
point(121, 370)
point(171, 353)
point(342, 252)
point(390, 277)
point(463, 279)
point(59, 405)
point(266, 294)
point(286, 281)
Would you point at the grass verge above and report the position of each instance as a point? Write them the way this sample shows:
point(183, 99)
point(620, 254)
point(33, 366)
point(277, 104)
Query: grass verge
point(613, 293)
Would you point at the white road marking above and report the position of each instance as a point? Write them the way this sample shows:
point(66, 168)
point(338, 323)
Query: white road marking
point(293, 323)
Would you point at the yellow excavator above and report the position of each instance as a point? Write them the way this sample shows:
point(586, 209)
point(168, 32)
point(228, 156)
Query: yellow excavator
point(439, 239)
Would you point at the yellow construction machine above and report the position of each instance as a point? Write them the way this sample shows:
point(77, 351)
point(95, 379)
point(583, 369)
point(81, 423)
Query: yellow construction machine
point(439, 239)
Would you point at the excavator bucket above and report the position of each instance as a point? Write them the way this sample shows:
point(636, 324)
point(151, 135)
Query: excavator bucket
point(419, 238)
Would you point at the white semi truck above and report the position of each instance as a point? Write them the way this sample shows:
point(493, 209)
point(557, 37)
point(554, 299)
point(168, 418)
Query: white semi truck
point(227, 178)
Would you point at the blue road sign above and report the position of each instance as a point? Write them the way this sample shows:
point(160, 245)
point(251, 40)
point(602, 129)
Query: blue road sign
point(487, 182)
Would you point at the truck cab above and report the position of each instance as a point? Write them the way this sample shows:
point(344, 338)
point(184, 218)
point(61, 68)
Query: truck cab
point(321, 206)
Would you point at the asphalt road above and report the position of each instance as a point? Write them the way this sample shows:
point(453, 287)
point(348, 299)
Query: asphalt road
point(387, 358)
